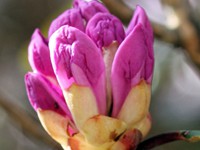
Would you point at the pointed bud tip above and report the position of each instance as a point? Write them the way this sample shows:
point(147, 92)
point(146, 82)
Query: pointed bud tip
point(38, 54)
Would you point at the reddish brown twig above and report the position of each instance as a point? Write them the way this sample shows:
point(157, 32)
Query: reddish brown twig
point(189, 136)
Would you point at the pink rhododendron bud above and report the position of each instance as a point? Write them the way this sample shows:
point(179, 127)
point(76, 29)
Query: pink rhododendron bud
point(104, 29)
point(107, 32)
point(39, 55)
point(103, 78)
point(70, 17)
point(128, 66)
point(89, 8)
point(76, 62)
point(132, 72)
point(44, 95)
point(140, 17)
point(49, 103)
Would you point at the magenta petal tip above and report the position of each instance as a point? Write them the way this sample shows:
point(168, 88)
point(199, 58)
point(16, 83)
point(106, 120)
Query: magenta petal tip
point(140, 17)
point(104, 29)
point(89, 8)
point(70, 17)
point(39, 55)
point(43, 95)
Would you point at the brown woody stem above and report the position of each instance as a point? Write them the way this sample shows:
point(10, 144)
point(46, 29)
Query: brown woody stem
point(189, 136)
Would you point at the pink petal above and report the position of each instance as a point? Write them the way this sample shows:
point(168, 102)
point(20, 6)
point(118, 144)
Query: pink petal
point(140, 17)
point(105, 28)
point(39, 55)
point(89, 8)
point(76, 59)
point(44, 95)
point(128, 66)
point(70, 17)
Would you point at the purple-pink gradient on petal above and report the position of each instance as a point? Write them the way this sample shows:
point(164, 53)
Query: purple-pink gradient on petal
point(128, 66)
point(89, 8)
point(141, 17)
point(39, 55)
point(44, 95)
point(70, 17)
point(76, 59)
point(105, 28)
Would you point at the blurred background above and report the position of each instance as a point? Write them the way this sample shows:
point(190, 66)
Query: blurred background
point(176, 86)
